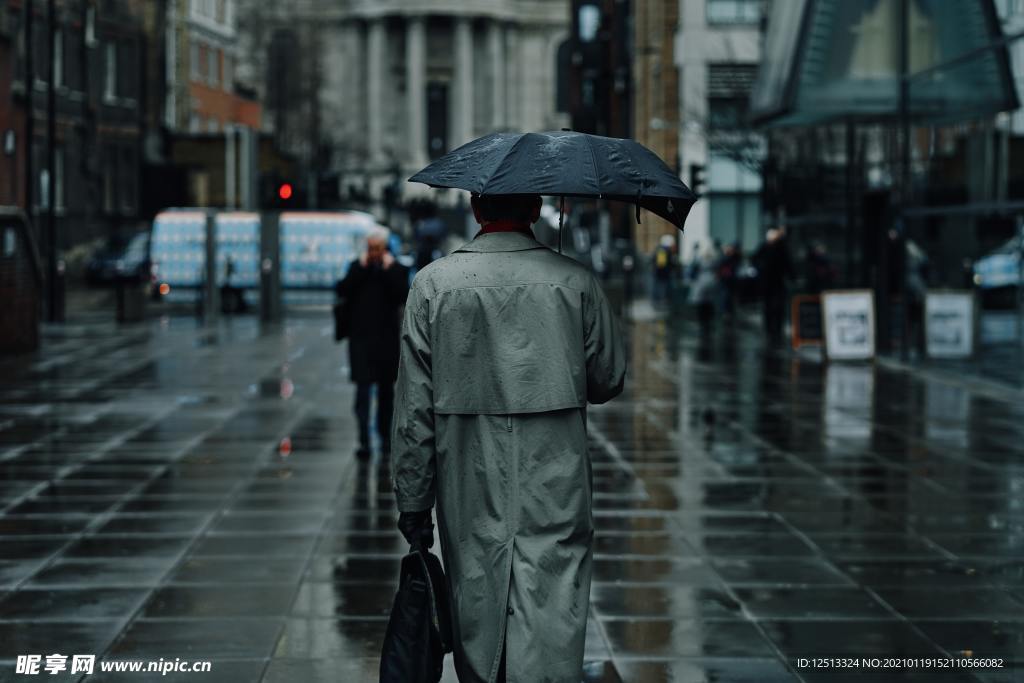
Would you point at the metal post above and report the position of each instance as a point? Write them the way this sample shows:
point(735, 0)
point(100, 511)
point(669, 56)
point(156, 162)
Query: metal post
point(1020, 283)
point(248, 167)
point(270, 267)
point(230, 166)
point(210, 293)
point(53, 312)
point(851, 209)
point(905, 178)
point(30, 78)
point(245, 168)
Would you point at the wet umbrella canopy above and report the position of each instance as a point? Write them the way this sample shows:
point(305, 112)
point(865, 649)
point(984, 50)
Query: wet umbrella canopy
point(566, 164)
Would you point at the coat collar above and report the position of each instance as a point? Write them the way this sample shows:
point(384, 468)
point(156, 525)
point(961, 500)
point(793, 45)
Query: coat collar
point(501, 241)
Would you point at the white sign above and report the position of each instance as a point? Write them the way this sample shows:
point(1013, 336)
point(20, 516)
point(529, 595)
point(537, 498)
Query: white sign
point(949, 324)
point(849, 319)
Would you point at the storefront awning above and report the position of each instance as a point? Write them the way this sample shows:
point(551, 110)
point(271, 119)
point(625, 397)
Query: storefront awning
point(838, 60)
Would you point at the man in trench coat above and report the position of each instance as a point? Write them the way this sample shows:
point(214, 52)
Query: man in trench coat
point(503, 344)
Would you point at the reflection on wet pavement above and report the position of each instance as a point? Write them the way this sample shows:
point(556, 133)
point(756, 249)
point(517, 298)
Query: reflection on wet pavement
point(179, 492)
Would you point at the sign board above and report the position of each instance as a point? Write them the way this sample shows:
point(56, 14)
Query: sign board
point(805, 311)
point(949, 324)
point(849, 321)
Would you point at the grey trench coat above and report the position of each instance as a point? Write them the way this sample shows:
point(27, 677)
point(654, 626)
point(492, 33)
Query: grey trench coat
point(503, 344)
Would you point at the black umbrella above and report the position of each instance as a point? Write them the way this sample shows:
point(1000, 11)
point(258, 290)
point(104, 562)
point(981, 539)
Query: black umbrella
point(565, 164)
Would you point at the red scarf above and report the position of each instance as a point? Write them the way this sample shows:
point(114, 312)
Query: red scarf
point(506, 226)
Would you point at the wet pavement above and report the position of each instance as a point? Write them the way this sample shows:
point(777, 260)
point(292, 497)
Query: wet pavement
point(169, 491)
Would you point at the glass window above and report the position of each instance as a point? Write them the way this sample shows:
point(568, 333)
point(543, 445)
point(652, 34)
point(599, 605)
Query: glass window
point(727, 113)
point(734, 11)
point(43, 200)
point(90, 26)
point(41, 51)
point(228, 74)
point(58, 58)
point(128, 179)
point(127, 70)
point(110, 72)
point(72, 63)
point(42, 177)
point(109, 178)
point(589, 22)
point(14, 23)
point(58, 190)
point(196, 60)
point(213, 67)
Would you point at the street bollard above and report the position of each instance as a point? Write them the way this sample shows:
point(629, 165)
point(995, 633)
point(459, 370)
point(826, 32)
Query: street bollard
point(211, 292)
point(270, 268)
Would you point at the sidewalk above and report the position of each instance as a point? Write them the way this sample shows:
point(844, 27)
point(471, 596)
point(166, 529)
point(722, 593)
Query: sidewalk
point(171, 490)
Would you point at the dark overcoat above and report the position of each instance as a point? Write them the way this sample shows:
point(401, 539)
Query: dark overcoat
point(376, 296)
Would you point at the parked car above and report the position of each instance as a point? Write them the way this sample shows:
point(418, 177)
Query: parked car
point(119, 259)
point(135, 264)
point(997, 275)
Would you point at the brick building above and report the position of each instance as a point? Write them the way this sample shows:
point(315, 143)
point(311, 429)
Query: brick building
point(97, 91)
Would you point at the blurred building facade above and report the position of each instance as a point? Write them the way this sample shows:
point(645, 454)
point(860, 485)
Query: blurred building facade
point(856, 165)
point(367, 92)
point(201, 147)
point(717, 54)
point(98, 102)
point(200, 53)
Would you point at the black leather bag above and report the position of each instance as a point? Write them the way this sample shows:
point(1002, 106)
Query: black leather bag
point(419, 632)
point(342, 319)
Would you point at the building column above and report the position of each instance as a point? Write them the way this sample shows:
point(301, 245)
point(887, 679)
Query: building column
point(230, 166)
point(496, 63)
point(513, 70)
point(462, 119)
point(375, 90)
point(415, 90)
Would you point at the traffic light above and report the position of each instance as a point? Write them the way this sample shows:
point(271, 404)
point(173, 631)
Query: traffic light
point(281, 193)
point(698, 178)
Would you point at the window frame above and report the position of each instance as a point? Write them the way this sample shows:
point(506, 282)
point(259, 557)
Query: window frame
point(110, 71)
point(738, 17)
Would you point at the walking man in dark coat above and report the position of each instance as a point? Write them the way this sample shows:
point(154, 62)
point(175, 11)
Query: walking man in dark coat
point(376, 286)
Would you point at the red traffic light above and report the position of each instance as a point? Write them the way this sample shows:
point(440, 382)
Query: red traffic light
point(285, 191)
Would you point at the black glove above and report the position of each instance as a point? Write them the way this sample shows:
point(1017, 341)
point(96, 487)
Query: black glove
point(417, 528)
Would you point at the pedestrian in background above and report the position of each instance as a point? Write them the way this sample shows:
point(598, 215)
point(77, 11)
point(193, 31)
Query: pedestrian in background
point(375, 287)
point(704, 289)
point(693, 265)
point(727, 272)
point(664, 269)
point(819, 272)
point(917, 292)
point(774, 270)
point(504, 343)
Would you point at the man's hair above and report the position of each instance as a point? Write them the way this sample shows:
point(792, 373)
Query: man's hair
point(379, 233)
point(505, 207)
